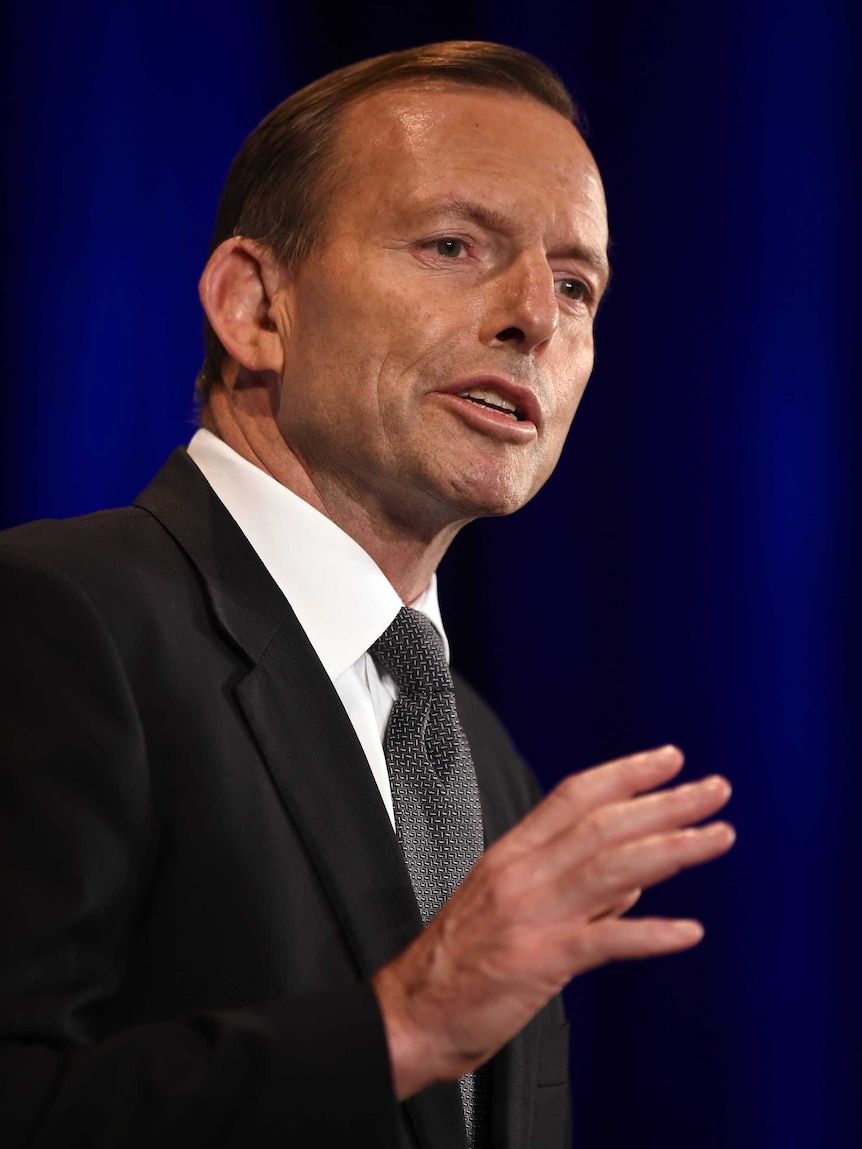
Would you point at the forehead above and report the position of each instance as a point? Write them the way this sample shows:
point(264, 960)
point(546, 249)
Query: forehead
point(402, 147)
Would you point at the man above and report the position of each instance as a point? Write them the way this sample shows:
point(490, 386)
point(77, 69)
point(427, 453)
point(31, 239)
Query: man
point(216, 875)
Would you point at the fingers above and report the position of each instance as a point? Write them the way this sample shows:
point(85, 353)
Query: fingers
point(579, 794)
point(583, 860)
point(620, 907)
point(612, 939)
point(640, 818)
point(645, 862)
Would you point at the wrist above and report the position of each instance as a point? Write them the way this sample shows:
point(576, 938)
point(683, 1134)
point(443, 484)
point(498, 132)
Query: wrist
point(416, 1053)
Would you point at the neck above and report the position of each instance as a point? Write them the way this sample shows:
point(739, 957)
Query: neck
point(406, 551)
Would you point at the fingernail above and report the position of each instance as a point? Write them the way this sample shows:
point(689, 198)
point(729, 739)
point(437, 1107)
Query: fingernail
point(668, 751)
point(689, 930)
point(721, 830)
point(717, 782)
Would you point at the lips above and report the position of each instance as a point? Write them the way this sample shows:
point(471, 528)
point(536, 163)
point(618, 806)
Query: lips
point(498, 394)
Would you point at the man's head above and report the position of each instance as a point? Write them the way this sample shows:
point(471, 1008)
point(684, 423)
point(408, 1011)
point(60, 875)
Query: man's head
point(460, 246)
point(282, 182)
point(285, 176)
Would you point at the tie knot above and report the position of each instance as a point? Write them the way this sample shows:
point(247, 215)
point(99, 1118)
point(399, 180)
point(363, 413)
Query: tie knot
point(411, 650)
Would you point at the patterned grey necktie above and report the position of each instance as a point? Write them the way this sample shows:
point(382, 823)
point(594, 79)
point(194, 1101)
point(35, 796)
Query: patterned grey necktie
point(438, 819)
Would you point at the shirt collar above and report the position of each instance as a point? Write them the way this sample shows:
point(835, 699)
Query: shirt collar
point(341, 597)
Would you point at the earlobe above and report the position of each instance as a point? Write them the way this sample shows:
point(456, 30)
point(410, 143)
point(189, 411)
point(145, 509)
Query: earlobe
point(236, 292)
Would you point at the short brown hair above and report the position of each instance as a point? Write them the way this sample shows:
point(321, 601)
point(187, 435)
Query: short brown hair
point(280, 184)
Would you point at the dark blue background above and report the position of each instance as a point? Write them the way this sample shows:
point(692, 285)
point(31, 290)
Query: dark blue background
point(690, 572)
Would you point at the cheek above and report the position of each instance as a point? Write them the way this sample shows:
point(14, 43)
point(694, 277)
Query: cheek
point(417, 324)
point(334, 345)
point(573, 377)
point(424, 312)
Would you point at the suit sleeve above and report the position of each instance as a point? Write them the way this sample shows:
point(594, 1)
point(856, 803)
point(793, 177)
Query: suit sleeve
point(77, 844)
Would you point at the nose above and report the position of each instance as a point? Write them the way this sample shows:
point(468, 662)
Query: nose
point(523, 309)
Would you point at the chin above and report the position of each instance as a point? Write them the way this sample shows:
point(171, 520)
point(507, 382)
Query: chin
point(492, 495)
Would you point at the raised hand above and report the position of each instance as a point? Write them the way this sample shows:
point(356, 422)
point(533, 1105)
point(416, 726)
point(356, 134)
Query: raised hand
point(542, 905)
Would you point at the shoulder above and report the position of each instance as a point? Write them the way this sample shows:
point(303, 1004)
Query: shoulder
point(110, 546)
point(84, 545)
point(111, 554)
point(111, 580)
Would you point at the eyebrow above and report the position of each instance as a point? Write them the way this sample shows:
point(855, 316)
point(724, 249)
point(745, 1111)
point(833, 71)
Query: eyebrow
point(494, 220)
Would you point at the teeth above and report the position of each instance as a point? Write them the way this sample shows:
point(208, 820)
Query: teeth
point(485, 395)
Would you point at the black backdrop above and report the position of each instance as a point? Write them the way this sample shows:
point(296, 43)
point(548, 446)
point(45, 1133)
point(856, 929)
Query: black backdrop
point(690, 572)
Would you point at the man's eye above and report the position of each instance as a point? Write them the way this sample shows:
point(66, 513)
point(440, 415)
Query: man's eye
point(449, 246)
point(573, 289)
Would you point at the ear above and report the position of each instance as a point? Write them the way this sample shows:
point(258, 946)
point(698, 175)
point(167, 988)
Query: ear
point(236, 289)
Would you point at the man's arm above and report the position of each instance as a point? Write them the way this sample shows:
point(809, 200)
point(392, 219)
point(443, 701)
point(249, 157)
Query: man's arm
point(543, 905)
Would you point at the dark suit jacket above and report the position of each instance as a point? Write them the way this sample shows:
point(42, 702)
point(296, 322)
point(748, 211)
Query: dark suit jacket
point(198, 874)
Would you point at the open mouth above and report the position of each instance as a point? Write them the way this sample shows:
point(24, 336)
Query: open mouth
point(493, 400)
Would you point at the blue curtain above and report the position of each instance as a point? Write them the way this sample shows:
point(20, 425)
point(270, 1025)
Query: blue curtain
point(689, 574)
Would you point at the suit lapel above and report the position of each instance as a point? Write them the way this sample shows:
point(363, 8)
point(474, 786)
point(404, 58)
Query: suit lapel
point(309, 747)
point(298, 722)
point(324, 781)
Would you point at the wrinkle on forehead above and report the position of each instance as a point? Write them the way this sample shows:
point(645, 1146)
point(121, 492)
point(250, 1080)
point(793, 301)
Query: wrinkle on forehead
point(404, 145)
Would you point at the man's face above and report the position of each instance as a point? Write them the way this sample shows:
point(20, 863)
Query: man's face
point(438, 341)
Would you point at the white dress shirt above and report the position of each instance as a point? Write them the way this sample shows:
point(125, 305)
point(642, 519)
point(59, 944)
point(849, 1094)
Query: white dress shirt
point(341, 597)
